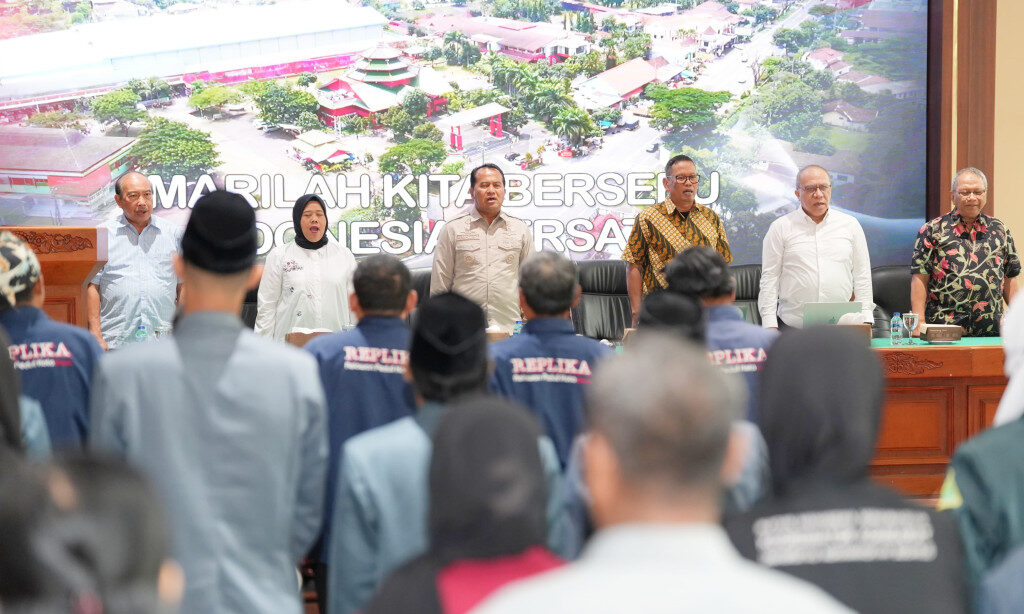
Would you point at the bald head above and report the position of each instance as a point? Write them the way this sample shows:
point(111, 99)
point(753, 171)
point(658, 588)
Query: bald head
point(810, 167)
point(119, 183)
point(134, 195)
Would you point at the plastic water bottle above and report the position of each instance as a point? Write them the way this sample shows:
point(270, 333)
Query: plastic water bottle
point(896, 329)
point(518, 327)
point(141, 333)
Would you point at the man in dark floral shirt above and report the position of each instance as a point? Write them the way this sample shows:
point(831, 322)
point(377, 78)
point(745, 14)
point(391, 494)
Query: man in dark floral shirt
point(965, 263)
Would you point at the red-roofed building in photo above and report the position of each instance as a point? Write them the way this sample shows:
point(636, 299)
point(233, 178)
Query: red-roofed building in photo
point(710, 23)
point(821, 58)
point(828, 59)
point(520, 40)
point(845, 5)
point(615, 85)
point(229, 44)
point(378, 81)
point(842, 114)
point(45, 171)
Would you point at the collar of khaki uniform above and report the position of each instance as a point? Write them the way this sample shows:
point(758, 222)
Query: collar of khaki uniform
point(475, 213)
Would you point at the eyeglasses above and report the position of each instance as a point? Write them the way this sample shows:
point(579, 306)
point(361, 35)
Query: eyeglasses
point(966, 193)
point(134, 196)
point(687, 178)
point(811, 189)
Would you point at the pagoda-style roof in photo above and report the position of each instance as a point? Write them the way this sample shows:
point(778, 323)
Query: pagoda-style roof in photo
point(384, 65)
point(383, 53)
point(379, 95)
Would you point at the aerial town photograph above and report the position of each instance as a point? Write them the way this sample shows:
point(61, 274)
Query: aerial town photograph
point(382, 107)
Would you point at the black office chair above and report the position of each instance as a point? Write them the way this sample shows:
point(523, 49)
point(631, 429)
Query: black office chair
point(421, 284)
point(748, 286)
point(603, 311)
point(890, 286)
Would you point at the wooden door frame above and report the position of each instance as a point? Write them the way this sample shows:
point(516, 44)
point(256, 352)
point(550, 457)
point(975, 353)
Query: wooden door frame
point(964, 135)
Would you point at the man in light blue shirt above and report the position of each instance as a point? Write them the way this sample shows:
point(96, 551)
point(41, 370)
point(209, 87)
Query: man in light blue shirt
point(137, 286)
point(231, 427)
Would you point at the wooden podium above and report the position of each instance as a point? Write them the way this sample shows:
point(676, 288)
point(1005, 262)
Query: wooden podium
point(70, 257)
point(936, 397)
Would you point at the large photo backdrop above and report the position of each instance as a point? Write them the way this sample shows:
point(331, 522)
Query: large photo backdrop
point(383, 109)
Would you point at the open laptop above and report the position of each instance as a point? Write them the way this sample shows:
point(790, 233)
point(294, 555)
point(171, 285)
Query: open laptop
point(828, 313)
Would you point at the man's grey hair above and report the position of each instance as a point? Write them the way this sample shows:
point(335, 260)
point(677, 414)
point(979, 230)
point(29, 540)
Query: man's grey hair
point(549, 282)
point(968, 170)
point(119, 185)
point(667, 413)
point(803, 170)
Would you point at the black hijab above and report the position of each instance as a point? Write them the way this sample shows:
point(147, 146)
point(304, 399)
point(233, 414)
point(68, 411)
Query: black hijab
point(297, 211)
point(10, 394)
point(487, 498)
point(821, 402)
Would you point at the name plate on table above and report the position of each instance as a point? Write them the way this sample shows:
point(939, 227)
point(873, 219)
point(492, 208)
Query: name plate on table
point(941, 333)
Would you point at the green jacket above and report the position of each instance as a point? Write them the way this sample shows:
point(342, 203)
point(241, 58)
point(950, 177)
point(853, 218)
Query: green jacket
point(985, 489)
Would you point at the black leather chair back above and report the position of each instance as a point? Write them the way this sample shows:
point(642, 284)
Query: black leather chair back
point(603, 311)
point(249, 307)
point(890, 286)
point(748, 285)
point(421, 284)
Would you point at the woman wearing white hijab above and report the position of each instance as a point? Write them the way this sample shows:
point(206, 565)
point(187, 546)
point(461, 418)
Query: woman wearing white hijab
point(306, 283)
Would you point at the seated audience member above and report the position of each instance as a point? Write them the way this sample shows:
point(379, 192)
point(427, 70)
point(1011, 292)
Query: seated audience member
point(363, 369)
point(380, 508)
point(825, 520)
point(1002, 591)
point(85, 535)
point(659, 447)
point(735, 345)
point(663, 310)
point(487, 525)
point(985, 489)
point(229, 425)
point(55, 360)
point(547, 366)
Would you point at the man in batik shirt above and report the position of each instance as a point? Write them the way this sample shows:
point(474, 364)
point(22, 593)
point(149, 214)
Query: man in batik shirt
point(665, 229)
point(965, 264)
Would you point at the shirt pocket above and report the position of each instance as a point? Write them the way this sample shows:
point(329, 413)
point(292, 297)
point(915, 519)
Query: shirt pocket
point(468, 252)
point(163, 270)
point(508, 252)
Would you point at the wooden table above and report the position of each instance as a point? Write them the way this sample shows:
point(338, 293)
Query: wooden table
point(936, 397)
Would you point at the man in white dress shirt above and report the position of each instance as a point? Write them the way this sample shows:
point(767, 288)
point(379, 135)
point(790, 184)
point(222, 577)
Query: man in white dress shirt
point(660, 446)
point(813, 255)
